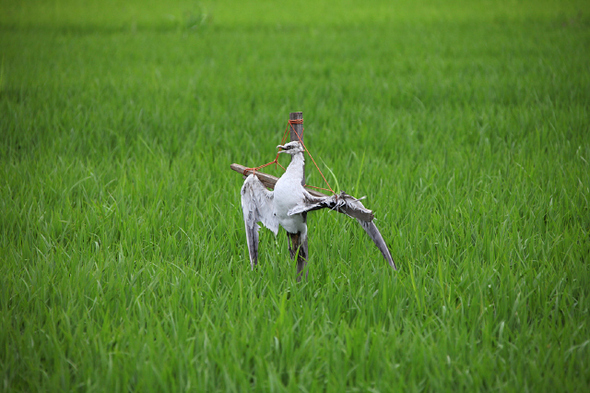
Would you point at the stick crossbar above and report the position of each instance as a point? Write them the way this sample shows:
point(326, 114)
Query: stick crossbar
point(269, 181)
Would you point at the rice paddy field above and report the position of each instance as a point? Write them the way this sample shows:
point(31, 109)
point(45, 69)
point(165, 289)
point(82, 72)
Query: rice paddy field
point(123, 257)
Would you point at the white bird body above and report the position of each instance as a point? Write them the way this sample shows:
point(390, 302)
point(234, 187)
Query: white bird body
point(288, 205)
point(288, 193)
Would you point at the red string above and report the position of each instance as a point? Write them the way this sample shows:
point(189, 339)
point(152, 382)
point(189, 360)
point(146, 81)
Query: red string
point(300, 121)
point(276, 160)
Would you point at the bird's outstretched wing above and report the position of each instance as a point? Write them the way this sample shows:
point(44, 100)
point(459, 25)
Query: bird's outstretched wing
point(257, 206)
point(352, 207)
point(373, 232)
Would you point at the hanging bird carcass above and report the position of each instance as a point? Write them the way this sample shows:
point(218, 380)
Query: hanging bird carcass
point(288, 205)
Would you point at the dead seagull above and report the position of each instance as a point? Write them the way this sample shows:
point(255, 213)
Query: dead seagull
point(288, 205)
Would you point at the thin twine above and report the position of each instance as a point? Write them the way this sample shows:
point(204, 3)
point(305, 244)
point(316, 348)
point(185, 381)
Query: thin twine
point(300, 121)
point(276, 160)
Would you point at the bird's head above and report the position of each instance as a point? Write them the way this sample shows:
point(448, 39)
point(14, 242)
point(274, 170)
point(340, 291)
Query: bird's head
point(292, 148)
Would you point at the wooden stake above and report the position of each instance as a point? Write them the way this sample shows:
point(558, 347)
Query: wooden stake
point(342, 203)
point(296, 133)
point(297, 247)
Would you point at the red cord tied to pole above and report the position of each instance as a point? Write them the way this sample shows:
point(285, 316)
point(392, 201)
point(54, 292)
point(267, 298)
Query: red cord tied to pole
point(300, 121)
point(276, 160)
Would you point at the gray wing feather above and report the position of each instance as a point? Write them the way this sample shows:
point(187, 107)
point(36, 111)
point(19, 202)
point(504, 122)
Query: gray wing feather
point(342, 203)
point(373, 232)
point(257, 206)
point(352, 207)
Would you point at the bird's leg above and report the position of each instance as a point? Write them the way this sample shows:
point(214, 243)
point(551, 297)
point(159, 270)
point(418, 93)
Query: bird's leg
point(302, 260)
point(298, 249)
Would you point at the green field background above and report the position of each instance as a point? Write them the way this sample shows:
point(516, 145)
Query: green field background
point(123, 258)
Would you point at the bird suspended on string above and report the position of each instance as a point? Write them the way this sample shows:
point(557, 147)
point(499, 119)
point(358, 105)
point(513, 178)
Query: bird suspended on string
point(287, 206)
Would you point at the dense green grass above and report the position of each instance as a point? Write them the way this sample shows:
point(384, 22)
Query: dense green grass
point(123, 257)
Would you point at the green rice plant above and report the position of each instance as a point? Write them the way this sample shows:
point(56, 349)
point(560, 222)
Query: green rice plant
point(124, 263)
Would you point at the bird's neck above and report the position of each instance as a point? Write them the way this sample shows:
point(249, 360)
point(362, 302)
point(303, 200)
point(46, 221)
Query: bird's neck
point(297, 165)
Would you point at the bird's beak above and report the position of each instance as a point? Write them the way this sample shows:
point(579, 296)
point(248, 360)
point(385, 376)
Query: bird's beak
point(281, 148)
